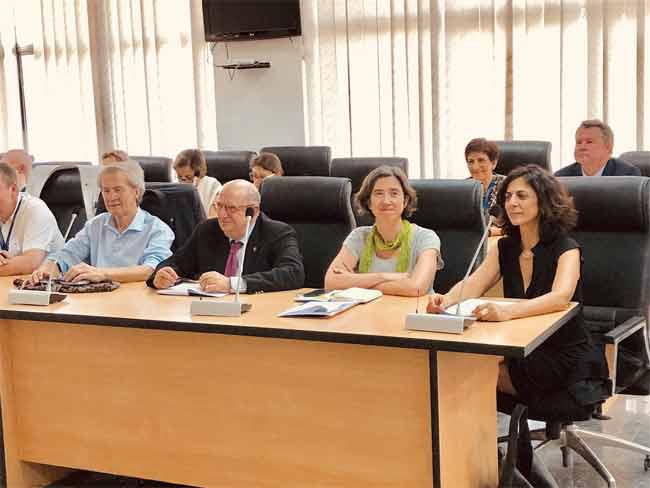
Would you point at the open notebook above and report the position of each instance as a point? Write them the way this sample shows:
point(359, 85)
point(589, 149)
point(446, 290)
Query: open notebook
point(467, 306)
point(317, 309)
point(358, 295)
point(189, 289)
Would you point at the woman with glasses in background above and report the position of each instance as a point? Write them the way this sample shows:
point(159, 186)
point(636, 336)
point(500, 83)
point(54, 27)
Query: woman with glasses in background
point(190, 167)
point(264, 166)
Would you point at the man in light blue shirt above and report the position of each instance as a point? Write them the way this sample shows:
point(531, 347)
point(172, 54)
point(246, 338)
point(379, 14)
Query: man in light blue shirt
point(124, 244)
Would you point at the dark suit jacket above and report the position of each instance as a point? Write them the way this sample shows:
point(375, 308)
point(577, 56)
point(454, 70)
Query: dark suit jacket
point(614, 167)
point(272, 262)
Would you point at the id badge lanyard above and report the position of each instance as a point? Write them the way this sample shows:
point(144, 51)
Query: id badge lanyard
point(4, 244)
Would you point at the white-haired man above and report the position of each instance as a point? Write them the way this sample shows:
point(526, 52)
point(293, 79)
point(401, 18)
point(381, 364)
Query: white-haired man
point(28, 230)
point(124, 244)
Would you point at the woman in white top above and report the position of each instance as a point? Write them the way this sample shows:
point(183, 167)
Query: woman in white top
point(191, 168)
point(394, 255)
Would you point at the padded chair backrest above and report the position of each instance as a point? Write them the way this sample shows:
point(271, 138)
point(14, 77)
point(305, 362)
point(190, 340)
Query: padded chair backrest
point(303, 160)
point(176, 204)
point(319, 210)
point(357, 169)
point(156, 168)
point(520, 153)
point(640, 159)
point(228, 165)
point(62, 194)
point(453, 209)
point(614, 232)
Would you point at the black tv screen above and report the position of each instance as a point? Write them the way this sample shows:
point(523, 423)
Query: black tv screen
point(236, 20)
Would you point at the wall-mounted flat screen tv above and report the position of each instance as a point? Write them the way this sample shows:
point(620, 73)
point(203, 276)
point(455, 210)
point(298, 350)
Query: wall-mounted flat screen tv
point(238, 20)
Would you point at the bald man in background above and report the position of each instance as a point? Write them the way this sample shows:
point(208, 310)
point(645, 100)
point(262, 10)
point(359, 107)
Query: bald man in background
point(21, 161)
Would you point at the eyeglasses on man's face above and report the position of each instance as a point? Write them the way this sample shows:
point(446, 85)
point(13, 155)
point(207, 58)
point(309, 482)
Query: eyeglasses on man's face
point(230, 209)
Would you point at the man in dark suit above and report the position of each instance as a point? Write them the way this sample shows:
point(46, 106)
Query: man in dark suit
point(593, 153)
point(214, 251)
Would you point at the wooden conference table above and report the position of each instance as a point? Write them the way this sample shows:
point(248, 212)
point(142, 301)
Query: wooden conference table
point(130, 383)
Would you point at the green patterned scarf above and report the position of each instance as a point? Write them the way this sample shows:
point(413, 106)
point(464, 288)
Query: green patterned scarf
point(375, 242)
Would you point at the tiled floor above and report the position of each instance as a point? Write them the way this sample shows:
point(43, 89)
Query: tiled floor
point(630, 420)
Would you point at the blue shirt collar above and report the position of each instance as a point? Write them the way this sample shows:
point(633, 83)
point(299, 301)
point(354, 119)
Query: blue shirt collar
point(137, 224)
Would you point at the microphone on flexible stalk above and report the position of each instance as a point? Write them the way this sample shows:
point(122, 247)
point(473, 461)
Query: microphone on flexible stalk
point(449, 322)
point(240, 269)
point(234, 308)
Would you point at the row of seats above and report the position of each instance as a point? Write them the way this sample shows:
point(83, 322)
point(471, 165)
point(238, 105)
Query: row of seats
point(317, 161)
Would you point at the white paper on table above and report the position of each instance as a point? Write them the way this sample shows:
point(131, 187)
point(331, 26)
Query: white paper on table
point(467, 306)
point(187, 289)
point(317, 309)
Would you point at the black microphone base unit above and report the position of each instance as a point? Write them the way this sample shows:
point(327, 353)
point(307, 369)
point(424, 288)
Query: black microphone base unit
point(217, 308)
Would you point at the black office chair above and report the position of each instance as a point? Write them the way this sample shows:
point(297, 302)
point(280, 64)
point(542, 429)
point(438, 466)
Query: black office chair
point(229, 165)
point(303, 160)
point(176, 204)
point(318, 208)
point(156, 168)
point(453, 209)
point(614, 233)
point(520, 153)
point(62, 194)
point(640, 159)
point(357, 169)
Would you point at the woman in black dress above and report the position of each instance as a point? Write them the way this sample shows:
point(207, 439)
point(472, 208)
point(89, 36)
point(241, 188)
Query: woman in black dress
point(540, 262)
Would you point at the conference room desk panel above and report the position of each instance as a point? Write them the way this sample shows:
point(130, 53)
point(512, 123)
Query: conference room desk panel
point(130, 383)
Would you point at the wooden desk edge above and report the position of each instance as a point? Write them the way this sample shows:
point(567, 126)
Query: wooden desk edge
point(294, 334)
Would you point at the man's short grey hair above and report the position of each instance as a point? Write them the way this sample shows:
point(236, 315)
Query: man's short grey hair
point(8, 174)
point(133, 171)
point(605, 130)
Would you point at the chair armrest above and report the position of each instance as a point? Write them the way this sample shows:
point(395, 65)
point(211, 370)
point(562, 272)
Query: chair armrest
point(623, 331)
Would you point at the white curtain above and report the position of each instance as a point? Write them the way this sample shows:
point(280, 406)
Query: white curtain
point(57, 79)
point(419, 78)
point(10, 125)
point(155, 82)
point(128, 74)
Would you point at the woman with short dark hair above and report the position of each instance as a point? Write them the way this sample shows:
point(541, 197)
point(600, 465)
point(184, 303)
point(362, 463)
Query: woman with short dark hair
point(482, 157)
point(394, 255)
point(190, 167)
point(264, 166)
point(538, 261)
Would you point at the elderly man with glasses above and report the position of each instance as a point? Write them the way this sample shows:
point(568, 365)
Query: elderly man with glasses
point(213, 254)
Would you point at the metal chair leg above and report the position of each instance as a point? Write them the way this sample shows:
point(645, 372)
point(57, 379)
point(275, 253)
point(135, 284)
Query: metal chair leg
point(611, 441)
point(574, 442)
